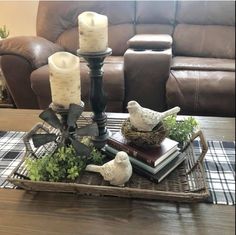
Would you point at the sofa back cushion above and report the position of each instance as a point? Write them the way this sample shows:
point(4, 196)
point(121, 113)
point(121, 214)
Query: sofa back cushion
point(155, 17)
point(199, 28)
point(57, 21)
point(205, 29)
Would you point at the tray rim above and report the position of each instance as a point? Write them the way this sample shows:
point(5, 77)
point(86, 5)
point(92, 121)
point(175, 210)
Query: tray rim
point(102, 190)
point(124, 192)
point(114, 125)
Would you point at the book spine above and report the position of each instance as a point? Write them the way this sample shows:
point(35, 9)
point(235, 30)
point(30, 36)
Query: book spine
point(142, 165)
point(159, 176)
point(145, 174)
point(129, 151)
point(180, 159)
point(110, 149)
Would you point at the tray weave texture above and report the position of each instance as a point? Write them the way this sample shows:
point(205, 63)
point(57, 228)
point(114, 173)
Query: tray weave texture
point(186, 183)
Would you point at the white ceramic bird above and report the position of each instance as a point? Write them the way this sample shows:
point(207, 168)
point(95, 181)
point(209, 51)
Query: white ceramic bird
point(144, 119)
point(117, 171)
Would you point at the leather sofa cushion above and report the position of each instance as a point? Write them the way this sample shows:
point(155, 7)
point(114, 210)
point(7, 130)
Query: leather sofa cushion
point(202, 92)
point(204, 41)
point(70, 40)
point(67, 18)
point(154, 29)
point(113, 81)
point(40, 85)
point(119, 43)
point(197, 63)
point(155, 17)
point(155, 12)
point(206, 13)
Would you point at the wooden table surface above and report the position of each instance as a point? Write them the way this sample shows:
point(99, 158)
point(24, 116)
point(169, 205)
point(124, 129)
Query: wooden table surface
point(33, 213)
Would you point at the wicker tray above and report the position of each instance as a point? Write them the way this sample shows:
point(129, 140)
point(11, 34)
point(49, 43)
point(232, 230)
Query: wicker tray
point(186, 183)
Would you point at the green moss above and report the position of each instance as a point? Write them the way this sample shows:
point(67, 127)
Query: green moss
point(62, 165)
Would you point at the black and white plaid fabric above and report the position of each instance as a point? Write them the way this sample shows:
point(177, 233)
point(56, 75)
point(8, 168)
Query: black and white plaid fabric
point(12, 149)
point(219, 165)
point(220, 171)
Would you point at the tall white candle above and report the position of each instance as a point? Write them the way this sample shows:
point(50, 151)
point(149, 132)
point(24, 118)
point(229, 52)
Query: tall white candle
point(64, 69)
point(93, 32)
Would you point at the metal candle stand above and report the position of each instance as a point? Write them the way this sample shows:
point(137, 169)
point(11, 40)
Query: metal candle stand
point(98, 99)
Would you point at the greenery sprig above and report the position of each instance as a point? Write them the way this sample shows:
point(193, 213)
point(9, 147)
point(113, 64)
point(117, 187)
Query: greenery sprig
point(182, 130)
point(4, 33)
point(62, 165)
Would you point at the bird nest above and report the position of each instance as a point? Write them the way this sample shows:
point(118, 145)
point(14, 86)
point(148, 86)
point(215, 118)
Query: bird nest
point(144, 139)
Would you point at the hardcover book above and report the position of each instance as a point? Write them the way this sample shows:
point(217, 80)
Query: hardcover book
point(161, 174)
point(153, 170)
point(151, 157)
point(165, 171)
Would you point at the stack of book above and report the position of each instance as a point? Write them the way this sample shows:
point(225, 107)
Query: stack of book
point(154, 163)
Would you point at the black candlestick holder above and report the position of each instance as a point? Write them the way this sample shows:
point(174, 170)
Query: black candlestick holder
point(98, 99)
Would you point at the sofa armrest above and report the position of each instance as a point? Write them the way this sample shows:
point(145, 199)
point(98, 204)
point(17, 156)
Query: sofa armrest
point(150, 41)
point(35, 50)
point(147, 69)
point(19, 57)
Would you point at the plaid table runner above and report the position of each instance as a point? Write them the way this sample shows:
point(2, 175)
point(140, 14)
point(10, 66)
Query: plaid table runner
point(12, 150)
point(219, 165)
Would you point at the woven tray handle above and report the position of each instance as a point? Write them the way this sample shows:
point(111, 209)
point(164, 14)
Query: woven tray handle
point(28, 136)
point(204, 148)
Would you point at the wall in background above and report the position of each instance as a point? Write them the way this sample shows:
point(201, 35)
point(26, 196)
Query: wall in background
point(19, 17)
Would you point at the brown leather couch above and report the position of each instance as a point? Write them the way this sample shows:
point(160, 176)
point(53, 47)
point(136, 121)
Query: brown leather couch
point(196, 71)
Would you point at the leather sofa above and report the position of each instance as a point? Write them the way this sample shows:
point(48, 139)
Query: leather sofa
point(164, 53)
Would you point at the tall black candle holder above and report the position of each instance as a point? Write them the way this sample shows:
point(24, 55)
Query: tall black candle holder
point(98, 99)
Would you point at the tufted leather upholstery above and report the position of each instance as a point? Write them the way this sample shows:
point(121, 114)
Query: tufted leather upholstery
point(200, 78)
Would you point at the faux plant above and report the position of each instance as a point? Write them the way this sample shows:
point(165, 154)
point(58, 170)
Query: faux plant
point(180, 131)
point(62, 165)
point(4, 33)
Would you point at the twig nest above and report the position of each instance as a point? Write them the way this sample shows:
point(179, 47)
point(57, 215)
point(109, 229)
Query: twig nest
point(143, 139)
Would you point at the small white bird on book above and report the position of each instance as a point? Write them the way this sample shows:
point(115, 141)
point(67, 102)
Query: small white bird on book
point(144, 119)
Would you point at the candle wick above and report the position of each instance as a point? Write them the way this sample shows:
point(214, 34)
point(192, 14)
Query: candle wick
point(63, 65)
point(92, 22)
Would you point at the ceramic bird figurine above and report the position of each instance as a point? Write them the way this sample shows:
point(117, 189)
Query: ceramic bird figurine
point(117, 171)
point(144, 119)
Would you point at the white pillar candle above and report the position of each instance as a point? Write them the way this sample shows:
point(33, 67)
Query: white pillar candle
point(64, 69)
point(93, 32)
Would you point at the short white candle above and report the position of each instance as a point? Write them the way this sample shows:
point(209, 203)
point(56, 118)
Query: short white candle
point(64, 69)
point(93, 32)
